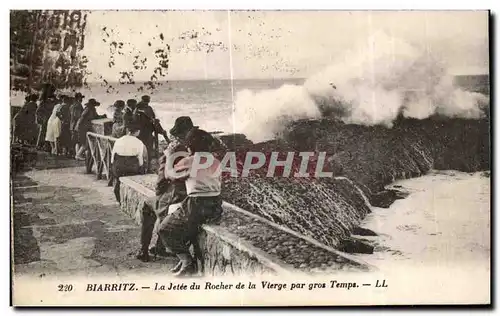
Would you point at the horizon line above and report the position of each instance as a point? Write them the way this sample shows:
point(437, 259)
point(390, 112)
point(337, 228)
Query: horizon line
point(238, 79)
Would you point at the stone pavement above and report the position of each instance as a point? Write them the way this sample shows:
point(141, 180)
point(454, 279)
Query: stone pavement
point(67, 222)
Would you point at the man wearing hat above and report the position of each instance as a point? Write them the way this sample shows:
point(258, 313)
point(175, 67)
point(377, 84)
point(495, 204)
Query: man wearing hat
point(168, 192)
point(24, 126)
point(75, 111)
point(84, 125)
point(118, 128)
point(148, 124)
point(128, 112)
point(65, 139)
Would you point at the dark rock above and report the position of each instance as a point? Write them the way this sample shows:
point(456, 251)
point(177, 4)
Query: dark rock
point(232, 141)
point(363, 232)
point(354, 246)
point(385, 198)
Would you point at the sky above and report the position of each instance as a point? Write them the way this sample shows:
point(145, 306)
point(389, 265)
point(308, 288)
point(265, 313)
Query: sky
point(274, 44)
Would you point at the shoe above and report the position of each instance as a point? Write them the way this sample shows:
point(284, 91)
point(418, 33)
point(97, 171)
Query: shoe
point(143, 256)
point(177, 267)
point(157, 251)
point(186, 271)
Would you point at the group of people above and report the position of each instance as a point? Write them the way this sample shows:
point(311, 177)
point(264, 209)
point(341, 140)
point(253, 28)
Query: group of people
point(142, 115)
point(59, 123)
point(185, 201)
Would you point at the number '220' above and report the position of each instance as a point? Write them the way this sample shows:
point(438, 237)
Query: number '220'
point(65, 287)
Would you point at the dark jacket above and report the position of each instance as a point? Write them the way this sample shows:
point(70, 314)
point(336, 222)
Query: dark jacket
point(146, 119)
point(84, 122)
point(64, 114)
point(170, 191)
point(44, 111)
point(75, 111)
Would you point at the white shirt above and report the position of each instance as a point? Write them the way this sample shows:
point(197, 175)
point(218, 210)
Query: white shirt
point(130, 146)
point(206, 181)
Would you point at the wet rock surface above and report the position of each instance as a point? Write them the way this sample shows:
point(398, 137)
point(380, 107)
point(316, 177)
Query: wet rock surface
point(295, 251)
point(363, 232)
point(355, 246)
point(384, 199)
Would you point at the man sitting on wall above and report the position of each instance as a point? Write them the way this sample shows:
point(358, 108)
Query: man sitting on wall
point(168, 192)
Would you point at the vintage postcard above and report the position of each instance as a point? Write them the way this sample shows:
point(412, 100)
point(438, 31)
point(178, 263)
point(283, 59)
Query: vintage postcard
point(250, 158)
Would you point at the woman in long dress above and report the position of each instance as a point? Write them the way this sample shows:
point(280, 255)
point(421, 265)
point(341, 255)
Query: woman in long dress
point(54, 129)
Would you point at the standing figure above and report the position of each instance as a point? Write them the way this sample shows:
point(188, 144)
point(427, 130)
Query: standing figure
point(64, 115)
point(148, 125)
point(84, 125)
point(118, 128)
point(25, 127)
point(128, 112)
point(43, 113)
point(54, 129)
point(145, 117)
point(202, 205)
point(75, 112)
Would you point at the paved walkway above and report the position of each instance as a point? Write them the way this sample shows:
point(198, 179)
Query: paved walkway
point(66, 221)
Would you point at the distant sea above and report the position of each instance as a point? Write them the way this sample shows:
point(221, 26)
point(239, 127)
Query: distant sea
point(208, 102)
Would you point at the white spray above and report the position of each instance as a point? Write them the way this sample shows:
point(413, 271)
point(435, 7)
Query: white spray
point(383, 78)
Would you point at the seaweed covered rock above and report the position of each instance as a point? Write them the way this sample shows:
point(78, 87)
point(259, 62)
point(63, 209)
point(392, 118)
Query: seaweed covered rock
point(363, 159)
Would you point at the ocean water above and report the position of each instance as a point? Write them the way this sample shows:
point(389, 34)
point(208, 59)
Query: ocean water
point(212, 103)
point(208, 102)
point(444, 222)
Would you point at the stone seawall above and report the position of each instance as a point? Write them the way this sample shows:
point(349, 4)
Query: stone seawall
point(244, 243)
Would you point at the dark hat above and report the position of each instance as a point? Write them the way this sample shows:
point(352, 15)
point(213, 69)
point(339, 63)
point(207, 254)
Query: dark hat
point(182, 125)
point(131, 102)
point(146, 98)
point(199, 140)
point(133, 125)
point(93, 102)
point(33, 97)
point(119, 104)
point(79, 96)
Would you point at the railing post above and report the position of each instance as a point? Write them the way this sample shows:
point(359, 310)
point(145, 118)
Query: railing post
point(89, 155)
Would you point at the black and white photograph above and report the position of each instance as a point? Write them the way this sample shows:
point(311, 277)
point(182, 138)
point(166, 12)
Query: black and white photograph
point(250, 157)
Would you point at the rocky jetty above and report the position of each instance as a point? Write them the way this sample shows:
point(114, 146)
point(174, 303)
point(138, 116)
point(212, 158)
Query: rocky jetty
point(364, 160)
